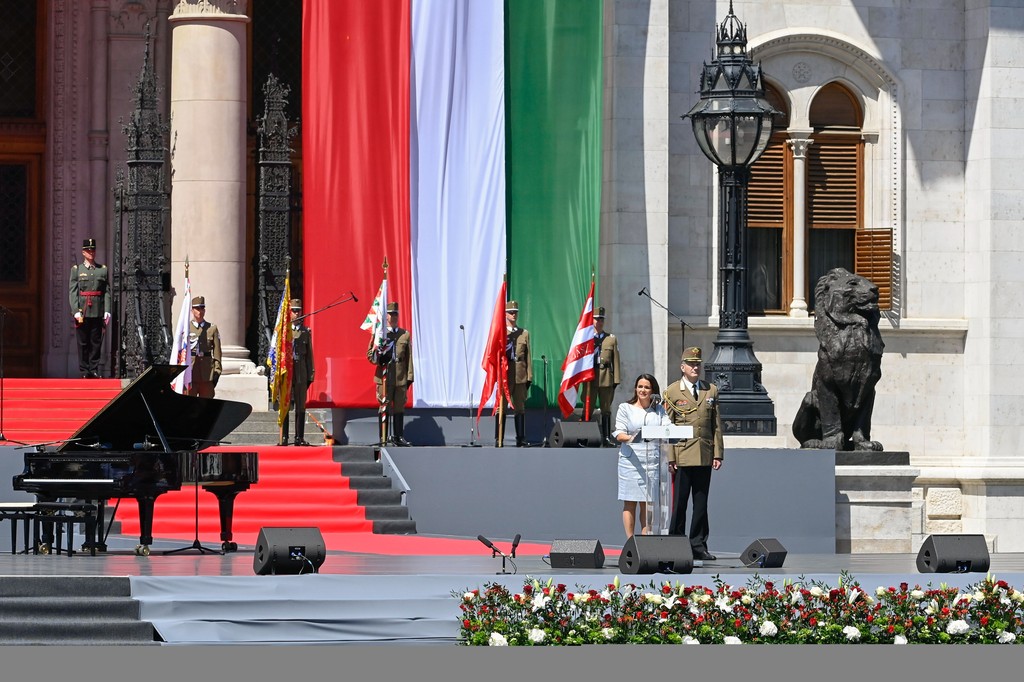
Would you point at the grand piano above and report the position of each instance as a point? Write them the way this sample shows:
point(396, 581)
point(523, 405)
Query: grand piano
point(147, 441)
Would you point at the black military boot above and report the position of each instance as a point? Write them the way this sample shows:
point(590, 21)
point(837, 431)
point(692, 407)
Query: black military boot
point(300, 427)
point(520, 420)
point(284, 434)
point(399, 426)
point(606, 431)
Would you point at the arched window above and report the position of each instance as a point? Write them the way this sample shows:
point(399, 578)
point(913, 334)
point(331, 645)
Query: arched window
point(829, 232)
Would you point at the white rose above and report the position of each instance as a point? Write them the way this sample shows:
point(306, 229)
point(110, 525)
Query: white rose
point(704, 598)
point(917, 594)
point(497, 639)
point(609, 633)
point(957, 627)
point(1017, 596)
point(768, 629)
point(746, 599)
point(880, 591)
point(978, 596)
point(816, 591)
point(580, 596)
point(653, 598)
point(690, 640)
point(1006, 637)
point(900, 639)
point(731, 640)
point(537, 635)
point(469, 596)
point(852, 633)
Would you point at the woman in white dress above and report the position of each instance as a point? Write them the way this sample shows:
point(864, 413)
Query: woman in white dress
point(640, 462)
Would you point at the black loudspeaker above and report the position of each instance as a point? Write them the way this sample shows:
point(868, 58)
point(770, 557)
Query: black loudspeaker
point(575, 435)
point(577, 554)
point(656, 554)
point(288, 551)
point(764, 553)
point(953, 554)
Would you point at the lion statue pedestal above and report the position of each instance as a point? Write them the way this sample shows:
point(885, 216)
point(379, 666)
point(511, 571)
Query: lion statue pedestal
point(836, 413)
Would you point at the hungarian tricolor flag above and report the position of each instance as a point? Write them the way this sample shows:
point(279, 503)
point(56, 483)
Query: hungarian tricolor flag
point(579, 361)
point(461, 139)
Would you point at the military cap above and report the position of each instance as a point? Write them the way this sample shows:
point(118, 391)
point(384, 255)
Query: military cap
point(198, 301)
point(512, 307)
point(89, 243)
point(392, 308)
point(692, 354)
point(599, 315)
point(295, 304)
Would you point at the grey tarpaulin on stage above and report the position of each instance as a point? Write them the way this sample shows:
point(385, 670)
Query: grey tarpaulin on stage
point(551, 493)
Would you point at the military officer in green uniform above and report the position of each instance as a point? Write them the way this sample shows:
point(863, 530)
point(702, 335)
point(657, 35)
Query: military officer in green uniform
point(89, 296)
point(393, 376)
point(204, 344)
point(303, 371)
point(601, 391)
point(693, 402)
point(520, 376)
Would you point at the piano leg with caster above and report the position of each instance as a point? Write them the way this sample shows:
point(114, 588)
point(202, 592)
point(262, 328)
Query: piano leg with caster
point(226, 495)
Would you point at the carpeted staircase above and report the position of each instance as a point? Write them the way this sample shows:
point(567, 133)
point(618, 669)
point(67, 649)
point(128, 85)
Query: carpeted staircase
point(71, 610)
point(338, 490)
point(47, 410)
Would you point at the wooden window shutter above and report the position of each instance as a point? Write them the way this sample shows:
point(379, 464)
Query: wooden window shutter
point(873, 259)
point(766, 190)
point(834, 183)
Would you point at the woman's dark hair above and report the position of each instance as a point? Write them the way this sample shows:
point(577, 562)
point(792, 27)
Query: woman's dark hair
point(654, 386)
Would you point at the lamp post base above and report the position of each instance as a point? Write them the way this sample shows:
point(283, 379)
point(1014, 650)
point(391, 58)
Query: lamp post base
point(743, 403)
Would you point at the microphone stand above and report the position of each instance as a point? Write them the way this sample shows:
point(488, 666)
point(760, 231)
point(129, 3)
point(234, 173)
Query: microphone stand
point(682, 324)
point(350, 297)
point(3, 328)
point(544, 359)
point(469, 392)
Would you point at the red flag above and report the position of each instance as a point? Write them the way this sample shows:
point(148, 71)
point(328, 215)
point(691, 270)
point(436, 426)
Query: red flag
point(579, 362)
point(495, 361)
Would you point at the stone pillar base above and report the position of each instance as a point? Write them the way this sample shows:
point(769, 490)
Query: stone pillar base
point(244, 388)
point(874, 508)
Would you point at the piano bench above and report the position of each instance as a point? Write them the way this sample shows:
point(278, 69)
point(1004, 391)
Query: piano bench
point(15, 512)
point(67, 514)
point(63, 514)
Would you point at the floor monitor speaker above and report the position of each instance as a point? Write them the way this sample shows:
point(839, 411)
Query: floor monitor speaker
point(656, 554)
point(288, 551)
point(577, 554)
point(764, 553)
point(953, 554)
point(575, 435)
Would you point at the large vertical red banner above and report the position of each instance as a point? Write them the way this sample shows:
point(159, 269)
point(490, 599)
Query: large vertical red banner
point(355, 128)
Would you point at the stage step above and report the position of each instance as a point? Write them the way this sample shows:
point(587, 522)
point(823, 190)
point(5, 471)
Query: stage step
point(71, 610)
point(260, 428)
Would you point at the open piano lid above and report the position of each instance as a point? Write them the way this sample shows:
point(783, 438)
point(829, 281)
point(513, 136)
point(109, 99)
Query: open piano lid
point(187, 422)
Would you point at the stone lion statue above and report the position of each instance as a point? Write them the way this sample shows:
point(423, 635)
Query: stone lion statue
point(836, 412)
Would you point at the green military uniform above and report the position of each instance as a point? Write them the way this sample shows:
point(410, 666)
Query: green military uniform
point(303, 371)
point(520, 377)
point(693, 457)
point(204, 345)
point(606, 379)
point(89, 298)
point(393, 376)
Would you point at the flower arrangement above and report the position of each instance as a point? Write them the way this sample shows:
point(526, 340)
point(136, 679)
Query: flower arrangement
point(762, 612)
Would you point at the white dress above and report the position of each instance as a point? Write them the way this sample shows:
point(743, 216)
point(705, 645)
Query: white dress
point(643, 467)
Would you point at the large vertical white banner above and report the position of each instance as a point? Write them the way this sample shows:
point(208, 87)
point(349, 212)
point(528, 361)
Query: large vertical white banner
point(457, 192)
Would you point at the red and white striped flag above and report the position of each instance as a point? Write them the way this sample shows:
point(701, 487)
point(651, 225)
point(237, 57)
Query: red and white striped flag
point(579, 362)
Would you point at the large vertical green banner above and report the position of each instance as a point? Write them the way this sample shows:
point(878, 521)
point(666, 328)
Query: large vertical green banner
point(553, 88)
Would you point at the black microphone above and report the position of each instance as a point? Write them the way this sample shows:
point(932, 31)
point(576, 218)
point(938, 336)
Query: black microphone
point(656, 399)
point(515, 543)
point(462, 328)
point(487, 543)
point(642, 292)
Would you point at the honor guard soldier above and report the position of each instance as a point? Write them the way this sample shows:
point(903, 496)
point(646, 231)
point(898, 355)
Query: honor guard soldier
point(89, 296)
point(693, 402)
point(204, 344)
point(601, 391)
point(302, 373)
point(520, 376)
point(393, 376)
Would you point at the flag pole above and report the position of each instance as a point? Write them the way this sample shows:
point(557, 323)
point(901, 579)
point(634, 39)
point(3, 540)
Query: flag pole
point(386, 395)
point(502, 380)
point(587, 414)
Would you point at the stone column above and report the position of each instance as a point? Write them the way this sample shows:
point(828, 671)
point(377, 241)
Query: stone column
point(208, 115)
point(798, 306)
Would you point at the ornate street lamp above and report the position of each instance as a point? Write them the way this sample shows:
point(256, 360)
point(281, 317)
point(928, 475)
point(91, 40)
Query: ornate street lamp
point(733, 123)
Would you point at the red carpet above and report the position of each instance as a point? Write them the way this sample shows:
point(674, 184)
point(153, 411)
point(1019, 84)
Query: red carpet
point(45, 410)
point(297, 487)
